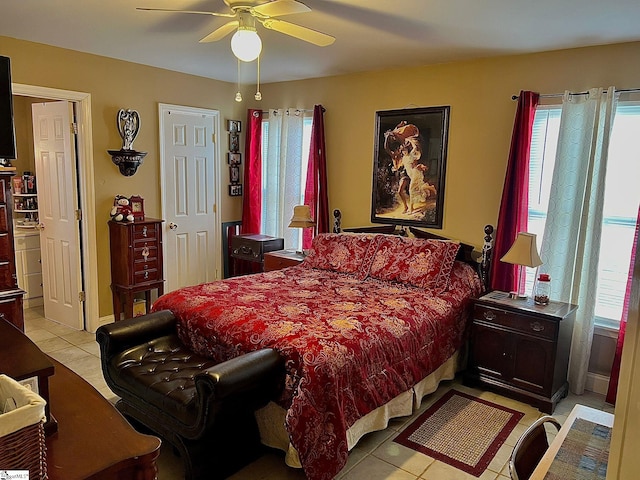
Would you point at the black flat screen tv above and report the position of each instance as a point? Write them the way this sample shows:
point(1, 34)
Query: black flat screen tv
point(7, 133)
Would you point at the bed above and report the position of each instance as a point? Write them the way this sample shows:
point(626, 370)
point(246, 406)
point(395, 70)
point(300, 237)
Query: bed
point(367, 323)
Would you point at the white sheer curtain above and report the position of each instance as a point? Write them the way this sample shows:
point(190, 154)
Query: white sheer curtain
point(571, 240)
point(283, 162)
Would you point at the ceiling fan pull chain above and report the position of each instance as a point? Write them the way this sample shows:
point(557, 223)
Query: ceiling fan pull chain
point(258, 95)
point(238, 94)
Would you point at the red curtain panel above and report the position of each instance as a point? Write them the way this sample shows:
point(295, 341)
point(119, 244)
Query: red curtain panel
point(615, 369)
point(252, 198)
point(514, 206)
point(315, 194)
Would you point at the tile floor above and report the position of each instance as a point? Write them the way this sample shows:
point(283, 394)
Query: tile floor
point(375, 457)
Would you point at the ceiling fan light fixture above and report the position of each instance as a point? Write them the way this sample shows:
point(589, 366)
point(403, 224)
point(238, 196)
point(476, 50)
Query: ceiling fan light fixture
point(246, 44)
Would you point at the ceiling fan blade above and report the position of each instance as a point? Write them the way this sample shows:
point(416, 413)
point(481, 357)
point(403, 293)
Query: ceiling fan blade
point(215, 14)
point(220, 33)
point(303, 33)
point(278, 8)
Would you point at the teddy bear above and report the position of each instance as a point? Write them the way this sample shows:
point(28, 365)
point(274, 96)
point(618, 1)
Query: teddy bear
point(121, 211)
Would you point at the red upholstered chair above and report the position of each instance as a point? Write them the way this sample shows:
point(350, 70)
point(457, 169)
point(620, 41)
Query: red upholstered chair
point(530, 448)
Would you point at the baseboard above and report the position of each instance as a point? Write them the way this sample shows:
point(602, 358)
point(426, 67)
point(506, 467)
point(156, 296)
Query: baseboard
point(597, 383)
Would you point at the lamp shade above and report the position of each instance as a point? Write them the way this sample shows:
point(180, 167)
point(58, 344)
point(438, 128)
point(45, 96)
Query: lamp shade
point(301, 217)
point(524, 251)
point(246, 44)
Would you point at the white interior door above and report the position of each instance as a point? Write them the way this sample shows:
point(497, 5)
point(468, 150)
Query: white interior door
point(189, 177)
point(57, 204)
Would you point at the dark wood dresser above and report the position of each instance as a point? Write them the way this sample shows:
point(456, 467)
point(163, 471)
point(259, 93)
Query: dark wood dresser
point(10, 294)
point(521, 349)
point(136, 262)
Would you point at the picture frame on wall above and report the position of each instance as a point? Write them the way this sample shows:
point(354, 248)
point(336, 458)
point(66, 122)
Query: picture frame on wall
point(234, 174)
point(234, 126)
point(234, 142)
point(409, 164)
point(234, 158)
point(235, 190)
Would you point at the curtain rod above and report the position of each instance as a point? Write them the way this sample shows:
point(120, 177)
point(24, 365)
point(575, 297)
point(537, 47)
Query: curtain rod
point(552, 95)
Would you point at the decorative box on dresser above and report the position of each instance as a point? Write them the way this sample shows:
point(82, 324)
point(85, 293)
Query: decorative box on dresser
point(136, 262)
point(10, 294)
point(521, 349)
point(281, 259)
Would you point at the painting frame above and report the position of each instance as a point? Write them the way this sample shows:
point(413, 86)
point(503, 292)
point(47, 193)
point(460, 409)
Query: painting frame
point(234, 173)
point(409, 166)
point(235, 190)
point(234, 126)
point(234, 158)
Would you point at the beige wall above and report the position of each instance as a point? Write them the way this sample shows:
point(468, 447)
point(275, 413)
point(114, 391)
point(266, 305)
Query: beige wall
point(479, 93)
point(113, 85)
point(482, 112)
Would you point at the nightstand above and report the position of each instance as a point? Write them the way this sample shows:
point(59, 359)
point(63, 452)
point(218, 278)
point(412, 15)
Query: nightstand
point(281, 259)
point(521, 349)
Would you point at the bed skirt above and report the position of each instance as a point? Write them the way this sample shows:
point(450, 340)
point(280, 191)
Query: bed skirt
point(271, 418)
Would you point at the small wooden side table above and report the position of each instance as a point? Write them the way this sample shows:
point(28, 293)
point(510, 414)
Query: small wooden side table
point(521, 349)
point(281, 259)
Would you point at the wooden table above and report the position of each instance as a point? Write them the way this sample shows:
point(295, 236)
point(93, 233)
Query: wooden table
point(94, 441)
point(579, 411)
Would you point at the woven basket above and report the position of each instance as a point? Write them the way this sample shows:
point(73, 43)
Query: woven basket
point(22, 439)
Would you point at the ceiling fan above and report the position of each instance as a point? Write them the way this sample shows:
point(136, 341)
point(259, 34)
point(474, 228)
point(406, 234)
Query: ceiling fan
point(247, 12)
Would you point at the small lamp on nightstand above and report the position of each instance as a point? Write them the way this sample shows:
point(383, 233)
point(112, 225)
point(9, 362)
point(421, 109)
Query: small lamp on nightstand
point(302, 218)
point(524, 253)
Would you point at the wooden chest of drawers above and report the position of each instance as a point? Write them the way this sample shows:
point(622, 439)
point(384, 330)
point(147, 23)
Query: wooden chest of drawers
point(10, 294)
point(136, 260)
point(521, 349)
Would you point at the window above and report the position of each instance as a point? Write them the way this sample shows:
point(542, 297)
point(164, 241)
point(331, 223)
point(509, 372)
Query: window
point(276, 209)
point(620, 203)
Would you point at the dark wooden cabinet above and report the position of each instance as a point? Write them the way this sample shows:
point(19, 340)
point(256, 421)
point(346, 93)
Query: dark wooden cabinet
point(281, 259)
point(136, 262)
point(10, 294)
point(521, 349)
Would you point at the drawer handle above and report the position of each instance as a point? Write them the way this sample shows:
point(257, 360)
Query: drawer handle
point(489, 315)
point(536, 326)
point(146, 275)
point(145, 253)
point(144, 231)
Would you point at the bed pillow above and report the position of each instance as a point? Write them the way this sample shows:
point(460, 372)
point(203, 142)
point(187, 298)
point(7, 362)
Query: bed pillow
point(424, 263)
point(343, 253)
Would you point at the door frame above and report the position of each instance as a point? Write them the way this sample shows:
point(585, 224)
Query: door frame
point(86, 182)
point(162, 108)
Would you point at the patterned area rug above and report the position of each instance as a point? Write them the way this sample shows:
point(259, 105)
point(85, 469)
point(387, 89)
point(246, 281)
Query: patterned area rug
point(584, 453)
point(461, 430)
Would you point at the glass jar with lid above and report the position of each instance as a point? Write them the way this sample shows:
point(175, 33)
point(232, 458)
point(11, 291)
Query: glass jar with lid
point(542, 289)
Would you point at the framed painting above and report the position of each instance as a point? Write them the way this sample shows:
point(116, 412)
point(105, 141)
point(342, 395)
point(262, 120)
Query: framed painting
point(409, 163)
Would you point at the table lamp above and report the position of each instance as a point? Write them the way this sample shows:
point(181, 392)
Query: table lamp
point(301, 218)
point(523, 253)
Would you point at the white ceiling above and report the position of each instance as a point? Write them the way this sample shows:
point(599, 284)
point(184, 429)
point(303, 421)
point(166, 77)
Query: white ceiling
point(370, 34)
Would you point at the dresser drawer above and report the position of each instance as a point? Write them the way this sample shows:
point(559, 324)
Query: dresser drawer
point(145, 232)
point(144, 276)
point(538, 327)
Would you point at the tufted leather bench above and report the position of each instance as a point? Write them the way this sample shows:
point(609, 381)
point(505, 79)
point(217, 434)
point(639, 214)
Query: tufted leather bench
point(203, 408)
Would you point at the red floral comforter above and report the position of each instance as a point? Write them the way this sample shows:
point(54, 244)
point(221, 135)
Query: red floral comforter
point(351, 345)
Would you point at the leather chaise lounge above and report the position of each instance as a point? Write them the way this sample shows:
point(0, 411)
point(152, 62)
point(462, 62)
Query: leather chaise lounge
point(205, 410)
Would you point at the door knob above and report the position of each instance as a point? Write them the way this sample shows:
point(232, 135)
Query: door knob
point(173, 226)
point(40, 226)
